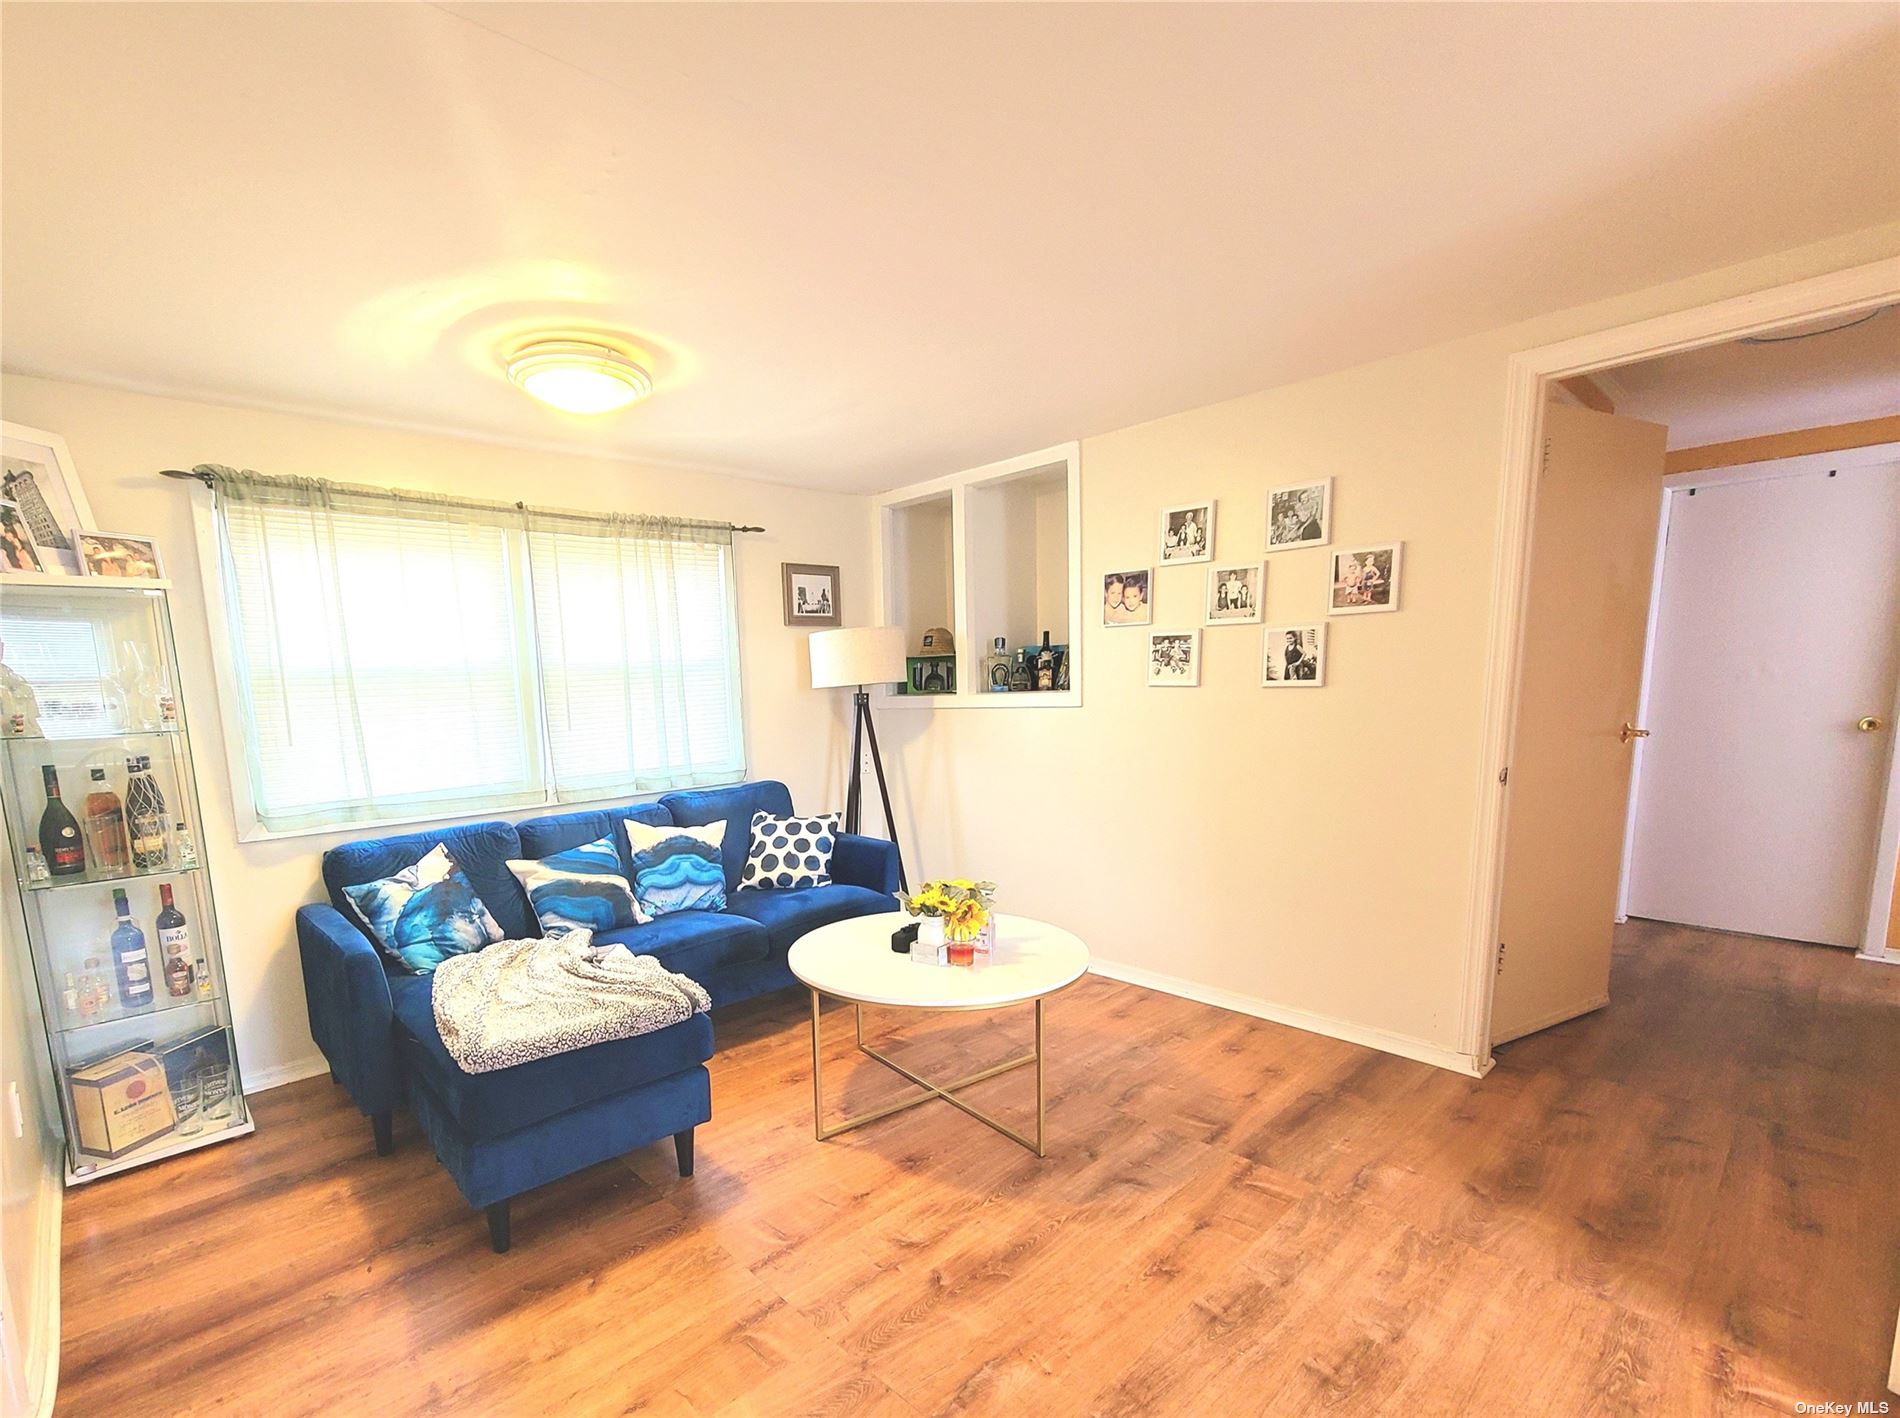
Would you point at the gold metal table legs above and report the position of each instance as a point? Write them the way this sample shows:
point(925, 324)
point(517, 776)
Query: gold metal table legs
point(945, 1091)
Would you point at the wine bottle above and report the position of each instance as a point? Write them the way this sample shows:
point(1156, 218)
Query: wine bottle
point(59, 831)
point(145, 814)
point(174, 944)
point(105, 826)
point(130, 957)
point(1046, 664)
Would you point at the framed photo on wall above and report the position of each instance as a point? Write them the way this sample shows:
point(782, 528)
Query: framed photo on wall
point(1128, 597)
point(811, 594)
point(116, 554)
point(1295, 656)
point(38, 478)
point(1236, 593)
point(1187, 533)
point(1300, 515)
point(1365, 580)
point(17, 552)
point(1174, 658)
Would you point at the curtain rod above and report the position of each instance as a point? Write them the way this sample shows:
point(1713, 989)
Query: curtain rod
point(209, 481)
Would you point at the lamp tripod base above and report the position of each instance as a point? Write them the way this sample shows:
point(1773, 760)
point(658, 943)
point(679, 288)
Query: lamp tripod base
point(862, 728)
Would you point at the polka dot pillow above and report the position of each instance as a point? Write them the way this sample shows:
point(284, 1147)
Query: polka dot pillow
point(790, 852)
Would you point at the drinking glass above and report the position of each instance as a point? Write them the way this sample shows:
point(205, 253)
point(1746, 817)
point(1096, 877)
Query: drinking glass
point(217, 1094)
point(186, 1095)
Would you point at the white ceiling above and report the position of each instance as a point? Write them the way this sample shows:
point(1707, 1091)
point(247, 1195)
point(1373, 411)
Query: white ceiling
point(870, 243)
point(1743, 390)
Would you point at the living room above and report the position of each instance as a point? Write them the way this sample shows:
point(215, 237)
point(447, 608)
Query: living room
point(669, 619)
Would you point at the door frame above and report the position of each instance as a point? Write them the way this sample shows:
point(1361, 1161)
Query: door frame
point(1528, 374)
point(1887, 839)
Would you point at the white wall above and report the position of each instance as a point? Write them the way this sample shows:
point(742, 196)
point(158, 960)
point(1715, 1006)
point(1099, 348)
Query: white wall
point(1308, 854)
point(120, 440)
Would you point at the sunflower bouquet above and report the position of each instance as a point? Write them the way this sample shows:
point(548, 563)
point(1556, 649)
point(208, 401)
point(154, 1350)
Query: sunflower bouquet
point(963, 906)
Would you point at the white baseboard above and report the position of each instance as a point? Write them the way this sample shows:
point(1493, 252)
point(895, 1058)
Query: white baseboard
point(1879, 957)
point(32, 1377)
point(1404, 1045)
point(1556, 1017)
point(296, 1071)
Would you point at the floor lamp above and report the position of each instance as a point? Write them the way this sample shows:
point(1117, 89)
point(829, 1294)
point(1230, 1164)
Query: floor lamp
point(860, 656)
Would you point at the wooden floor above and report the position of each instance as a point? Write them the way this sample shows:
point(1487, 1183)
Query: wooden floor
point(1687, 1203)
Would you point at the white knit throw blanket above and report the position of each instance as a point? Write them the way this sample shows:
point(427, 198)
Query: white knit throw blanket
point(520, 1000)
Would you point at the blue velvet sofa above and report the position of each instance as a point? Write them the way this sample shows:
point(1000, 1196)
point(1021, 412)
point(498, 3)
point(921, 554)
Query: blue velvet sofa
point(501, 1133)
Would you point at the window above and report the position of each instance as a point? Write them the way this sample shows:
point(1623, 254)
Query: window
point(396, 656)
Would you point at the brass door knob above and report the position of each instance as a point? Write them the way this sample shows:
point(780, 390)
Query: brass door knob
point(1870, 725)
point(1630, 731)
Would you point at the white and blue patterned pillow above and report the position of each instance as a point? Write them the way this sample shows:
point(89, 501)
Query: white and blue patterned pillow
point(579, 889)
point(677, 868)
point(790, 852)
point(425, 913)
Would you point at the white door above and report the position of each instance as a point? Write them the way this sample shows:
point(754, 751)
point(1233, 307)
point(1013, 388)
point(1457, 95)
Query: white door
point(1593, 549)
point(1777, 630)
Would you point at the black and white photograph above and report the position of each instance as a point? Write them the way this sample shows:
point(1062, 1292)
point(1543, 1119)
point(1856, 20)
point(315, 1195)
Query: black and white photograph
point(1295, 657)
point(1187, 533)
point(1174, 658)
point(1300, 515)
point(116, 554)
point(1366, 580)
point(37, 477)
point(811, 594)
point(1127, 597)
point(17, 552)
point(1236, 593)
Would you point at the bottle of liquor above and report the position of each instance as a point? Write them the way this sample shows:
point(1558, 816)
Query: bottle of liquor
point(201, 972)
point(1046, 664)
point(145, 814)
point(130, 957)
point(1021, 677)
point(183, 845)
point(174, 944)
point(89, 997)
point(59, 831)
point(105, 826)
point(996, 666)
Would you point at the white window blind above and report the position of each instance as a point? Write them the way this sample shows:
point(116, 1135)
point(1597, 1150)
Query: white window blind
point(400, 657)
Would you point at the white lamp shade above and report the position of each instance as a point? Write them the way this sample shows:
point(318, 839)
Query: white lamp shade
point(863, 654)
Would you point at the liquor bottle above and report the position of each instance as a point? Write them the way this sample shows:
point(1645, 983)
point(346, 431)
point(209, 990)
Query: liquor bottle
point(184, 847)
point(996, 666)
point(1046, 664)
point(59, 831)
point(130, 957)
point(145, 814)
point(105, 826)
point(69, 997)
point(174, 944)
point(201, 972)
point(1021, 677)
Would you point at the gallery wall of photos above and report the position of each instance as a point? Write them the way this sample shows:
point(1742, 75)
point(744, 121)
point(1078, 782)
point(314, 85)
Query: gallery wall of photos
point(1363, 580)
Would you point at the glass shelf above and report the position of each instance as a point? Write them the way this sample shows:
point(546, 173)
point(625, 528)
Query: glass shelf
point(67, 883)
point(160, 1005)
point(170, 733)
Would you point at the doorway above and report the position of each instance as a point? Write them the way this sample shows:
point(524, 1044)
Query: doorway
point(1572, 877)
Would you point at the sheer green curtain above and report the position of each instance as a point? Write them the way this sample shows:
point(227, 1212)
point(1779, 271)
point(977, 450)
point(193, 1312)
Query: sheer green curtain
point(383, 651)
point(637, 631)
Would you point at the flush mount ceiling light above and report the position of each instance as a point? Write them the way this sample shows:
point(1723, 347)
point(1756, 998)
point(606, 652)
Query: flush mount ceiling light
point(578, 376)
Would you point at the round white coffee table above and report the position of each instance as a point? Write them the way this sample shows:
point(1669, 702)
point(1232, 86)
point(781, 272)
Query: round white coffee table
point(853, 960)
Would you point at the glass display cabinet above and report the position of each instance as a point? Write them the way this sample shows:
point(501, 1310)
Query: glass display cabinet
point(103, 826)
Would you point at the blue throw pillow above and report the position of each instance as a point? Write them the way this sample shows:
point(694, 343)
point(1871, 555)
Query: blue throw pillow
point(677, 868)
point(424, 913)
point(579, 889)
point(790, 852)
